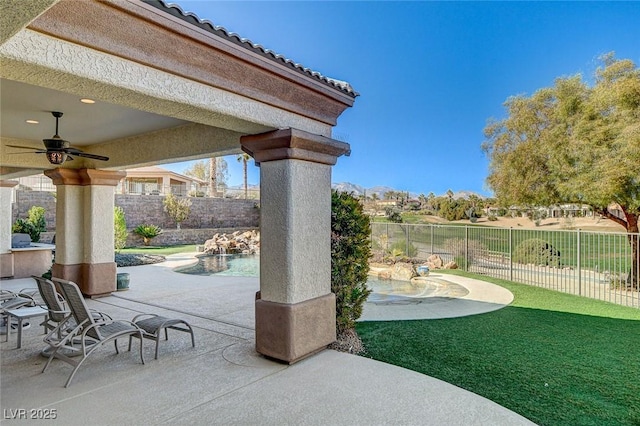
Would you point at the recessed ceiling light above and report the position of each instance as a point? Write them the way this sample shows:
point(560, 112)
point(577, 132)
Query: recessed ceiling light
point(87, 101)
point(32, 121)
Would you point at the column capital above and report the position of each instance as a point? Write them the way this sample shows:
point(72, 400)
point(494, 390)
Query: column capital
point(8, 183)
point(293, 144)
point(84, 177)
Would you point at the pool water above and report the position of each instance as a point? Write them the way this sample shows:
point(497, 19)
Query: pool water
point(405, 292)
point(384, 291)
point(232, 265)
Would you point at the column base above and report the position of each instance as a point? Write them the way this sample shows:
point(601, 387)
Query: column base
point(6, 265)
point(93, 279)
point(291, 332)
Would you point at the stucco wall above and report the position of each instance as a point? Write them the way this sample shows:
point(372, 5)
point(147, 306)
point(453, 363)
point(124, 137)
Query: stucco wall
point(206, 213)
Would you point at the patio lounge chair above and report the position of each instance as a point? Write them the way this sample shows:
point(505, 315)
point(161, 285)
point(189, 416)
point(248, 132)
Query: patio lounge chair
point(12, 300)
point(58, 313)
point(92, 333)
point(59, 321)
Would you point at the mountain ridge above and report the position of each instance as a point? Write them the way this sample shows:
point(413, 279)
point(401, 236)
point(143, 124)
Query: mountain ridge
point(381, 190)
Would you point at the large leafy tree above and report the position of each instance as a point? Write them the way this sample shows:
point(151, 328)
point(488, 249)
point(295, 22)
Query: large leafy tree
point(574, 142)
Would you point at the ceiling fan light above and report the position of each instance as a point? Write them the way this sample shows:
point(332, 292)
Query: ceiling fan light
point(56, 157)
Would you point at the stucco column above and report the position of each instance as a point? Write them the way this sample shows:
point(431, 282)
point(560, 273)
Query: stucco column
point(295, 309)
point(6, 257)
point(84, 228)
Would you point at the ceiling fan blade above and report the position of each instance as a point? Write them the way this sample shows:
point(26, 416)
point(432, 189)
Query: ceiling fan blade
point(92, 156)
point(38, 150)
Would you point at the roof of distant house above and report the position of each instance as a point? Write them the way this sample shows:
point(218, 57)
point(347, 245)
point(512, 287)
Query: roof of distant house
point(155, 170)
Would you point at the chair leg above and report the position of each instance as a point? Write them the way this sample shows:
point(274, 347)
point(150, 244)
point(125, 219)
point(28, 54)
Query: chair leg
point(141, 339)
point(51, 357)
point(158, 341)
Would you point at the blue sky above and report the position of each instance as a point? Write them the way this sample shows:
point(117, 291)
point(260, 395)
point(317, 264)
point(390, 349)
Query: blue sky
point(429, 74)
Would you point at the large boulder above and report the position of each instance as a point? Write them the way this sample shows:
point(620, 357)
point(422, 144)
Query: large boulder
point(451, 265)
point(403, 271)
point(238, 242)
point(434, 262)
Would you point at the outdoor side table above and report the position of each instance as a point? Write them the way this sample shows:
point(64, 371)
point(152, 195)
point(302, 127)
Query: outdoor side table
point(152, 328)
point(22, 314)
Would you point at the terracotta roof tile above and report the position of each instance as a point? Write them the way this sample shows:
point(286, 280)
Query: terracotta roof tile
point(176, 10)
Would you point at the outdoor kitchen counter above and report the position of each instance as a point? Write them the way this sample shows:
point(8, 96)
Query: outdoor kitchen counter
point(33, 260)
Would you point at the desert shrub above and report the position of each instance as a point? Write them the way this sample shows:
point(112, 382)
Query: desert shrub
point(617, 282)
point(119, 229)
point(350, 252)
point(147, 232)
point(400, 246)
point(492, 218)
point(393, 215)
point(536, 215)
point(537, 252)
point(464, 254)
point(33, 225)
point(177, 208)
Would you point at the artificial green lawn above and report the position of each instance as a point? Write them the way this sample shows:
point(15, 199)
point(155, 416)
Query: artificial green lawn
point(554, 358)
point(161, 251)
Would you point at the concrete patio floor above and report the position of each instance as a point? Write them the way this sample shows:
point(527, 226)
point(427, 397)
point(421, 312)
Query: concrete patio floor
point(222, 380)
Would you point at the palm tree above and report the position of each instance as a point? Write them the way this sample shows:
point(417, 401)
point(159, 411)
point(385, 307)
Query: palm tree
point(423, 201)
point(213, 177)
point(244, 158)
point(450, 194)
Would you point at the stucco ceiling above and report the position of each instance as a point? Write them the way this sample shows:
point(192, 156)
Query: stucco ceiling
point(193, 95)
point(82, 124)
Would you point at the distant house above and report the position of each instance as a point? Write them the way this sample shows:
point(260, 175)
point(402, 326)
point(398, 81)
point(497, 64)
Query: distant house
point(155, 180)
point(151, 180)
point(387, 203)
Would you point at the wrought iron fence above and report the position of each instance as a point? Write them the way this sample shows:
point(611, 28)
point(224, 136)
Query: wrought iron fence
point(603, 266)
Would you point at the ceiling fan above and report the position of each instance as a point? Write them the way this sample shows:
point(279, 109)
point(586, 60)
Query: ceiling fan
point(58, 150)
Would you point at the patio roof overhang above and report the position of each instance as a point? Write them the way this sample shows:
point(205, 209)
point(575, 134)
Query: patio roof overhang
point(169, 87)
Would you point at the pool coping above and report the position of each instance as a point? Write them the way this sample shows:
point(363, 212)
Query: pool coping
point(483, 297)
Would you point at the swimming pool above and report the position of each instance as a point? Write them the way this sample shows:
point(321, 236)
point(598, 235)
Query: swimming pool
point(385, 292)
point(391, 292)
point(230, 265)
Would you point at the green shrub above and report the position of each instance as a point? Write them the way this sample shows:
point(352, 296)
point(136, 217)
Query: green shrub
point(119, 229)
point(492, 218)
point(393, 215)
point(177, 208)
point(537, 252)
point(34, 225)
point(350, 252)
point(147, 232)
point(401, 247)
